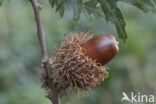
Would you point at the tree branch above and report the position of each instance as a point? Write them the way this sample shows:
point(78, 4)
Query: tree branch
point(53, 93)
point(40, 32)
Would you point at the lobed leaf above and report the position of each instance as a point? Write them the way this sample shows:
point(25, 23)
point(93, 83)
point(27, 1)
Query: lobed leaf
point(144, 5)
point(92, 8)
point(53, 2)
point(113, 14)
point(59, 6)
point(101, 8)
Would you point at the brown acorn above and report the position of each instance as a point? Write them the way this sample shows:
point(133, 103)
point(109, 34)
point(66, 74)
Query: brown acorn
point(75, 64)
point(101, 48)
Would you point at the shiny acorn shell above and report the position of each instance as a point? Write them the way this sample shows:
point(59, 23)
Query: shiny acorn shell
point(101, 48)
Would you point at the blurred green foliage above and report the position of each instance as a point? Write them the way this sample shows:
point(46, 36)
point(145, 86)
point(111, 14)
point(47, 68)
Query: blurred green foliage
point(107, 9)
point(132, 70)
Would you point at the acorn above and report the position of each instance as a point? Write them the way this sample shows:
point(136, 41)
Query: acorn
point(78, 63)
point(101, 48)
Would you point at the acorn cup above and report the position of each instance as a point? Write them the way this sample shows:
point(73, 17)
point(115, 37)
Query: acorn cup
point(78, 63)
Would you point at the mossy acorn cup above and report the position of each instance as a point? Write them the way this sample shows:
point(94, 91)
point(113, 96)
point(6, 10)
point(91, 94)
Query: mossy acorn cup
point(78, 64)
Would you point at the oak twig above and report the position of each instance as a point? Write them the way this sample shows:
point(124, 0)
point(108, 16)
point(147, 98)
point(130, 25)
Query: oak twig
point(41, 36)
point(53, 93)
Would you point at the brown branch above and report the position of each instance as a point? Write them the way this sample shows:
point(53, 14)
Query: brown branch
point(40, 32)
point(53, 93)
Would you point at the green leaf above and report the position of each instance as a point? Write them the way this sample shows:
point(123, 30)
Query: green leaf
point(77, 8)
point(101, 8)
point(53, 2)
point(61, 11)
point(92, 8)
point(1, 2)
point(59, 6)
point(144, 5)
point(113, 14)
